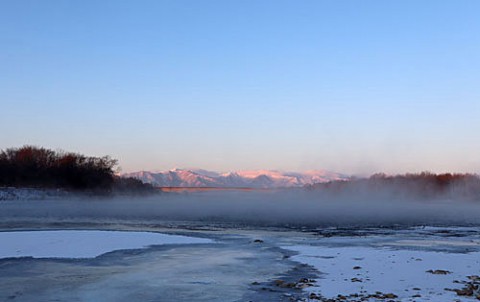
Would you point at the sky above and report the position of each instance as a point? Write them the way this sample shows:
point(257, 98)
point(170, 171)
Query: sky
point(356, 87)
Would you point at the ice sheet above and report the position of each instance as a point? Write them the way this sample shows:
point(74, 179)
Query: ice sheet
point(399, 271)
point(81, 244)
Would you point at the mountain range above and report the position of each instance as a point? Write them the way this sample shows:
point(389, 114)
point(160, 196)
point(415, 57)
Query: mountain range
point(238, 179)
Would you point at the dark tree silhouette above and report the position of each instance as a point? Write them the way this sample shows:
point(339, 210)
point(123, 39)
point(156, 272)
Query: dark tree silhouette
point(31, 166)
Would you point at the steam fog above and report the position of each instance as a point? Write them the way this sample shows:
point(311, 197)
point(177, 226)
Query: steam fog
point(295, 208)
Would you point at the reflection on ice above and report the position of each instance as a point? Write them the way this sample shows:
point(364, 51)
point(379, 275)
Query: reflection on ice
point(81, 244)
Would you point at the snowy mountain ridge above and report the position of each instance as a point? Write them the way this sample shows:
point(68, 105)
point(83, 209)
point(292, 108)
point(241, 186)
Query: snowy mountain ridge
point(236, 179)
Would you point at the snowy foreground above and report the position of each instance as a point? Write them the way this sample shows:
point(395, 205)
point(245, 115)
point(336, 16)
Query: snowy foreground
point(411, 265)
point(224, 264)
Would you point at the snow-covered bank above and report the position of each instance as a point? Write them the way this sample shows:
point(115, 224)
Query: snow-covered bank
point(82, 244)
point(11, 193)
point(411, 268)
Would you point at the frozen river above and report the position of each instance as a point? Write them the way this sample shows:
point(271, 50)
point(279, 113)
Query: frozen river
point(223, 264)
point(122, 251)
point(95, 265)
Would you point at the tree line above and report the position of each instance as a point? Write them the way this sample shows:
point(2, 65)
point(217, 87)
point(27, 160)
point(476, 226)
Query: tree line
point(31, 166)
point(418, 185)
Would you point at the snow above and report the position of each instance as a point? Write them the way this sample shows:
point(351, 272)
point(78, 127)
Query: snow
point(81, 244)
point(11, 193)
point(398, 267)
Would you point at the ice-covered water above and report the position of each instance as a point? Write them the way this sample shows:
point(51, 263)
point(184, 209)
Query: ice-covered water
point(392, 264)
point(222, 269)
point(81, 243)
point(251, 245)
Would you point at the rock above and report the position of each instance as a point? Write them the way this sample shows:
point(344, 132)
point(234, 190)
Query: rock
point(474, 278)
point(278, 282)
point(382, 296)
point(464, 291)
point(288, 285)
point(314, 296)
point(302, 285)
point(470, 289)
point(439, 272)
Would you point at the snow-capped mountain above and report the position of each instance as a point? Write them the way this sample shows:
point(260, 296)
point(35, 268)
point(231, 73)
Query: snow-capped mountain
point(238, 179)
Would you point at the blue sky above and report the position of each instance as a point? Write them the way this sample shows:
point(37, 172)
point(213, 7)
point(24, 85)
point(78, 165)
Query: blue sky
point(350, 86)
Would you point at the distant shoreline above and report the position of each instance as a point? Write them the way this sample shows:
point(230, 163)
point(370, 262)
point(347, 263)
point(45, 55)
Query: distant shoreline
point(210, 189)
point(38, 193)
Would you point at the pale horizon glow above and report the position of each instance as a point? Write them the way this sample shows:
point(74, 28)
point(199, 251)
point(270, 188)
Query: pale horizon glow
point(344, 86)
